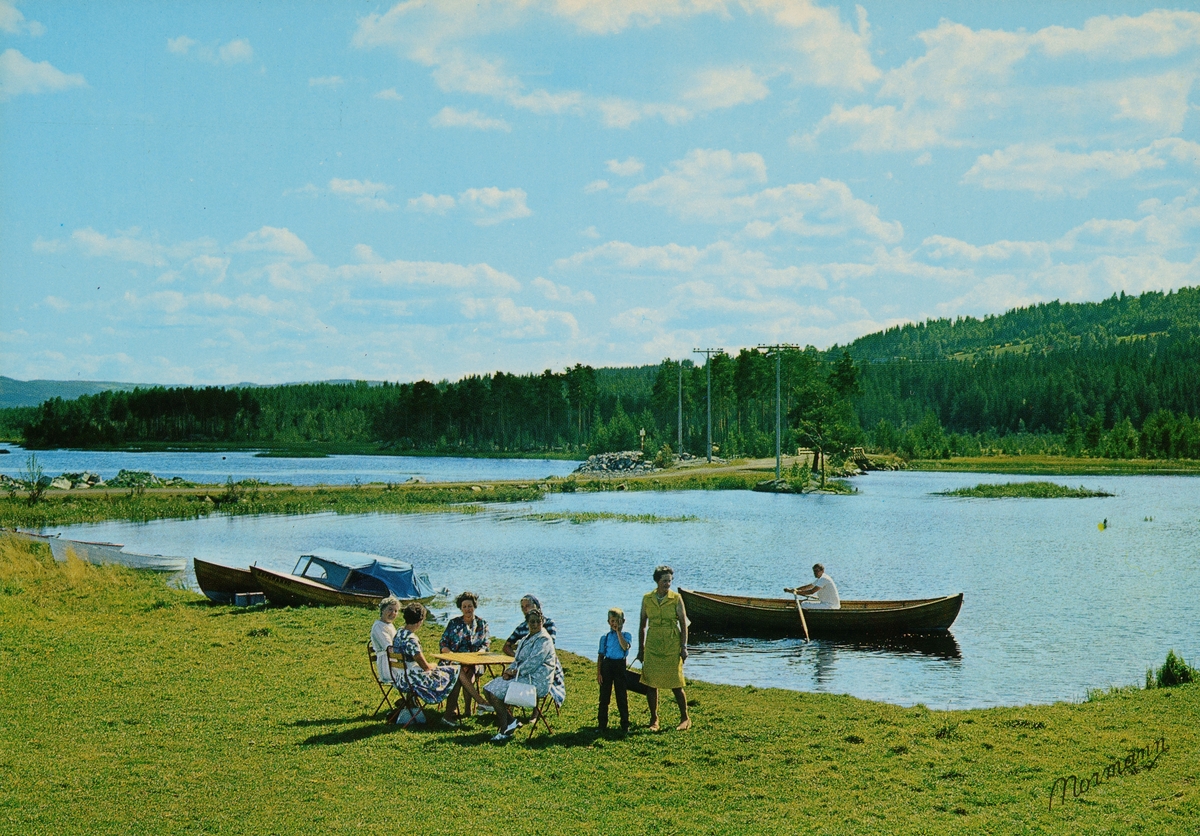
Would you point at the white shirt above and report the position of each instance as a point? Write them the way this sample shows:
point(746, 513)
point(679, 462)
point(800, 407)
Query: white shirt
point(827, 594)
point(382, 634)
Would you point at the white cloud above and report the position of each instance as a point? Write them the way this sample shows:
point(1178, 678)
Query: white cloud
point(519, 322)
point(492, 205)
point(14, 23)
point(275, 240)
point(828, 51)
point(237, 51)
point(1048, 171)
point(389, 94)
point(363, 192)
point(1155, 34)
point(449, 117)
point(720, 88)
point(625, 168)
point(326, 81)
point(431, 274)
point(19, 76)
point(430, 204)
point(56, 303)
point(715, 186)
point(595, 186)
point(180, 45)
point(561, 293)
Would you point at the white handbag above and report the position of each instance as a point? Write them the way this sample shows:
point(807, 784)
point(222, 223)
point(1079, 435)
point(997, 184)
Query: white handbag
point(521, 694)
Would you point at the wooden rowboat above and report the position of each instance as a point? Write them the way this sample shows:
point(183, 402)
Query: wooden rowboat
point(221, 583)
point(743, 615)
point(331, 578)
point(114, 553)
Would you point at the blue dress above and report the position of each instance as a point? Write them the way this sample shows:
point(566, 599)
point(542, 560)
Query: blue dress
point(433, 685)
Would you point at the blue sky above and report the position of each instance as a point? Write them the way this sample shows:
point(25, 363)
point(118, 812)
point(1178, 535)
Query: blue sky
point(220, 192)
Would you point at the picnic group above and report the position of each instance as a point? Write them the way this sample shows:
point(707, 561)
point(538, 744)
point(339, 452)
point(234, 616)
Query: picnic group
point(535, 676)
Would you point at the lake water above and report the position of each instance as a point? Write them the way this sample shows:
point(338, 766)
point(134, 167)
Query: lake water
point(1053, 605)
point(215, 468)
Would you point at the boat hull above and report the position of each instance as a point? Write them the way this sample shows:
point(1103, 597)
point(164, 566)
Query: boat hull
point(112, 553)
point(221, 583)
point(287, 590)
point(741, 615)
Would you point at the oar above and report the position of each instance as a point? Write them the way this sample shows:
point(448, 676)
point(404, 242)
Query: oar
point(800, 610)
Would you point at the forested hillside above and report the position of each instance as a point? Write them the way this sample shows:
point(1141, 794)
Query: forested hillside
point(1117, 378)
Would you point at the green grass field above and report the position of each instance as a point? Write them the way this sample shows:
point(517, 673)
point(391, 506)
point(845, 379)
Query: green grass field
point(1059, 465)
point(127, 707)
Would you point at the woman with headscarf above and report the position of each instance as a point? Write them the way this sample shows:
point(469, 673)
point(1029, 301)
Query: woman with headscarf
point(535, 663)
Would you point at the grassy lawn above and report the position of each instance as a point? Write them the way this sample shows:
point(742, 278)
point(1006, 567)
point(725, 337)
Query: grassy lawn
point(127, 707)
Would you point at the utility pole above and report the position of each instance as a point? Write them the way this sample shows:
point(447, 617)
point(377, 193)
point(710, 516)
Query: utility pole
point(679, 448)
point(777, 350)
point(708, 353)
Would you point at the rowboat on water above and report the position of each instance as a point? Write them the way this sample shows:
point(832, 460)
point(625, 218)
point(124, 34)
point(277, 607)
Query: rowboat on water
point(113, 553)
point(333, 578)
point(743, 615)
point(221, 583)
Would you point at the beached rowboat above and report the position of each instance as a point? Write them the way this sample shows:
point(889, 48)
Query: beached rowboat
point(334, 578)
point(221, 583)
point(106, 553)
point(743, 615)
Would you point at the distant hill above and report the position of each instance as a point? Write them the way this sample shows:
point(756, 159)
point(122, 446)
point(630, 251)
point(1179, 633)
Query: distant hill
point(33, 392)
point(15, 393)
point(1043, 328)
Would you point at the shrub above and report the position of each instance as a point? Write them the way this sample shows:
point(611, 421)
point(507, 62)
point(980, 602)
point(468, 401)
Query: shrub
point(1174, 671)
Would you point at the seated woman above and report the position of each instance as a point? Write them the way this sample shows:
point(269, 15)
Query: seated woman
point(465, 633)
point(383, 632)
point(431, 684)
point(535, 663)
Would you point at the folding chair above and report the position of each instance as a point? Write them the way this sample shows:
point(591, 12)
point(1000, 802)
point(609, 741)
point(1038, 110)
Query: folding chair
point(409, 698)
point(539, 717)
point(385, 687)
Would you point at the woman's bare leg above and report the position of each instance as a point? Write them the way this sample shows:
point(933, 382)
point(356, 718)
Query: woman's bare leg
point(685, 722)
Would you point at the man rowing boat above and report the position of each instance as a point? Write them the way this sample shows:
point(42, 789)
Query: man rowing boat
point(823, 587)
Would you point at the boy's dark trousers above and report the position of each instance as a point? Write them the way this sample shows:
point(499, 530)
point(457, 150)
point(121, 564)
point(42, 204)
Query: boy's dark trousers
point(612, 676)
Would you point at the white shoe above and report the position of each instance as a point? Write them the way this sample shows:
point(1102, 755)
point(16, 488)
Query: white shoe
point(511, 727)
point(484, 710)
point(501, 737)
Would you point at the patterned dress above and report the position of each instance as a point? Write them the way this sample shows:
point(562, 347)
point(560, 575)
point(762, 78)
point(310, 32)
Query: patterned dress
point(433, 685)
point(460, 637)
point(662, 666)
point(558, 685)
point(537, 663)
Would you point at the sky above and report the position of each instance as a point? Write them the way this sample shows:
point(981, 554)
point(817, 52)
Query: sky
point(221, 192)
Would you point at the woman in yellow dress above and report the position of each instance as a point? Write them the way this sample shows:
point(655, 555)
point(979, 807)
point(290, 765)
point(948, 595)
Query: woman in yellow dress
point(663, 649)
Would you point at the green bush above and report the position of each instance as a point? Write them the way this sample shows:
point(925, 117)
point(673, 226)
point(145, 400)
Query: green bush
point(1174, 672)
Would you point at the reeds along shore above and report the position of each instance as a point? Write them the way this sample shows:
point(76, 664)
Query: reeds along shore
point(129, 707)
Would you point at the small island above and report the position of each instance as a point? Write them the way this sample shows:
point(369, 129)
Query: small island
point(1024, 490)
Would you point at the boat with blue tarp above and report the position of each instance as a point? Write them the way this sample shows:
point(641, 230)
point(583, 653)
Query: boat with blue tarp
point(331, 577)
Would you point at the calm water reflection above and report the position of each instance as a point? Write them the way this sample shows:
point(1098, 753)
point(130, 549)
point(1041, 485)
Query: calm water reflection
point(1053, 606)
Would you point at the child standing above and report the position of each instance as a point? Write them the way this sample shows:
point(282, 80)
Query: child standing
point(610, 668)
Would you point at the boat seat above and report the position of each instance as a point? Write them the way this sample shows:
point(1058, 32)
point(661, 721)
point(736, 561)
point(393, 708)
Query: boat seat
point(386, 687)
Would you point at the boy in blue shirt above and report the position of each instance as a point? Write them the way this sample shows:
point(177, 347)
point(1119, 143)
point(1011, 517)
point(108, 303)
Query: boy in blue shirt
point(610, 668)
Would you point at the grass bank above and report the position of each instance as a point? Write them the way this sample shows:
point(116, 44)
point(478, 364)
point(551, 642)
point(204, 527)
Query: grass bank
point(130, 708)
point(1059, 465)
point(71, 507)
point(307, 449)
point(1024, 490)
